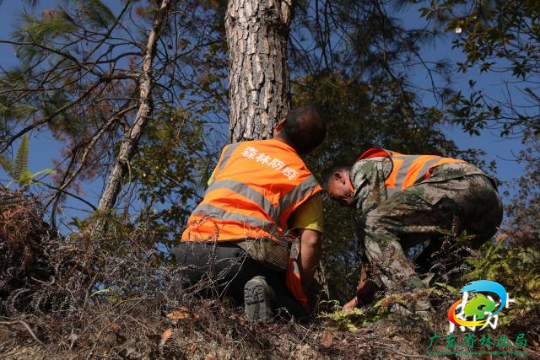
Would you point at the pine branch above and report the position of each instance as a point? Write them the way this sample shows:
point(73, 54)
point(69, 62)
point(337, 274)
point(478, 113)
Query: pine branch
point(131, 138)
point(82, 162)
point(6, 164)
point(20, 165)
point(64, 191)
point(98, 13)
point(47, 119)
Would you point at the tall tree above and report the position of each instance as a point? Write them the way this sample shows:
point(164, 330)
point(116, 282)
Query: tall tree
point(132, 136)
point(259, 84)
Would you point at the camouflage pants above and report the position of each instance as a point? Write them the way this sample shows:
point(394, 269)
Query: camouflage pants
point(417, 214)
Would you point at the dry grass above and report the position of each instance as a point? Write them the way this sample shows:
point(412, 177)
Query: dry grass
point(118, 298)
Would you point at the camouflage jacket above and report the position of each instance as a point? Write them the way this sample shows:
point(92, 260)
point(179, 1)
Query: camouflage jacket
point(368, 176)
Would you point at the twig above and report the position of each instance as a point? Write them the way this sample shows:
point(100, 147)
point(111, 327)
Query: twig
point(108, 325)
point(308, 331)
point(22, 322)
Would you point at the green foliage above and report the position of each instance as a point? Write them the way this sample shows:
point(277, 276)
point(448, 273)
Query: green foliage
point(362, 114)
point(169, 168)
point(98, 14)
point(447, 287)
point(522, 209)
point(78, 78)
point(20, 166)
point(352, 320)
point(496, 36)
point(368, 101)
point(356, 318)
point(52, 25)
point(346, 320)
point(18, 169)
point(515, 267)
point(5, 163)
point(18, 112)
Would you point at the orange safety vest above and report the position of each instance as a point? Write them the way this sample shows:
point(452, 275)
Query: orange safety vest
point(407, 170)
point(257, 186)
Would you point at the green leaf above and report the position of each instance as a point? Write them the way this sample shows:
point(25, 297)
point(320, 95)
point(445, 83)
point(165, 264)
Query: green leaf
point(25, 179)
point(44, 171)
point(20, 166)
point(6, 165)
point(447, 287)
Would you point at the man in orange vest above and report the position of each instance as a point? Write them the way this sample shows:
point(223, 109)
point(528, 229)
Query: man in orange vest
point(260, 199)
point(405, 200)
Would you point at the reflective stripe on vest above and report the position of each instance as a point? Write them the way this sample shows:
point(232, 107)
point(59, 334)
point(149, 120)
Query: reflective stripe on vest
point(257, 185)
point(209, 211)
point(407, 170)
point(274, 211)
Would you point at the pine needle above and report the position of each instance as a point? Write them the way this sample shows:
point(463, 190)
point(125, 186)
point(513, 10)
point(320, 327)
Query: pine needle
point(20, 166)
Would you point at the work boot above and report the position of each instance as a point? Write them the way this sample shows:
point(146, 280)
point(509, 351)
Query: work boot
point(258, 300)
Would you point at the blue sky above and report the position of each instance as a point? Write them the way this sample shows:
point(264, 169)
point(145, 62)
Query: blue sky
point(44, 147)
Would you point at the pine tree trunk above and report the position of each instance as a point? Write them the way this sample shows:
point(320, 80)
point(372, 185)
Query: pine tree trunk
point(131, 138)
point(259, 90)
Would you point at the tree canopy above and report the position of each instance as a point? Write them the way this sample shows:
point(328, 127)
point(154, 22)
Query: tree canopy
point(81, 66)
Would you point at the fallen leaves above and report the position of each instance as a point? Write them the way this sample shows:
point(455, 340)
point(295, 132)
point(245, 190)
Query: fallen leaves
point(165, 336)
point(327, 339)
point(238, 318)
point(182, 313)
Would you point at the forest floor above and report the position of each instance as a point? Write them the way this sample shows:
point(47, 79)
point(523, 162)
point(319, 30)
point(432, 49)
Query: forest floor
point(211, 331)
point(117, 298)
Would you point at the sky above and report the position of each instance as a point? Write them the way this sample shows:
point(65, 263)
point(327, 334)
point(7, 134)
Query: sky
point(491, 84)
point(43, 147)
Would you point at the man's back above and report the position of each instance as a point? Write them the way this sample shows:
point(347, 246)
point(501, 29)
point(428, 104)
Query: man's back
point(256, 186)
point(238, 236)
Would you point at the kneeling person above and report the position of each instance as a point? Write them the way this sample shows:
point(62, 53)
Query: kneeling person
point(404, 200)
point(261, 197)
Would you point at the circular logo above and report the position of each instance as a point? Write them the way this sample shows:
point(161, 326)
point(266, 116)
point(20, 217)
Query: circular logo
point(480, 305)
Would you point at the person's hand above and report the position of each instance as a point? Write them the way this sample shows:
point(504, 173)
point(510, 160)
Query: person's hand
point(366, 292)
point(350, 305)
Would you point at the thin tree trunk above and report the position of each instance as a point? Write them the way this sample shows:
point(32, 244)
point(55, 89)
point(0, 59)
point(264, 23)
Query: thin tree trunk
point(131, 138)
point(259, 90)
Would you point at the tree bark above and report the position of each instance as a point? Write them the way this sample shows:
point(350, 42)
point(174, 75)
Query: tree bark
point(259, 89)
point(131, 138)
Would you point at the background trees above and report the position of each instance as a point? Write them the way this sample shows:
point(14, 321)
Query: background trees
point(96, 76)
point(501, 37)
point(82, 77)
